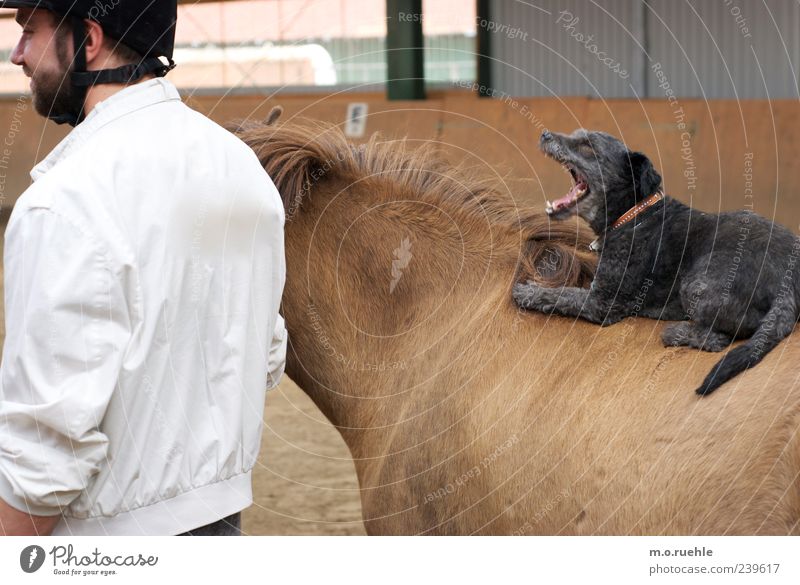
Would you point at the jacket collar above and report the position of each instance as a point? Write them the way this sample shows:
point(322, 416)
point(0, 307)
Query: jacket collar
point(125, 101)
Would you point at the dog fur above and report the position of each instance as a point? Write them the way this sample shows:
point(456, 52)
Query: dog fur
point(724, 276)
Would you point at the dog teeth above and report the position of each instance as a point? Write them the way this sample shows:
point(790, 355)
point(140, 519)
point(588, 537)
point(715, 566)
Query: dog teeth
point(548, 208)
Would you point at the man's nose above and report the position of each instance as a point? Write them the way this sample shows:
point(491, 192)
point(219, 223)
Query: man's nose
point(16, 54)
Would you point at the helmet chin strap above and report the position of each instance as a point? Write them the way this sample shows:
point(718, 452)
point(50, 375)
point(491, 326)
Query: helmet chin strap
point(82, 80)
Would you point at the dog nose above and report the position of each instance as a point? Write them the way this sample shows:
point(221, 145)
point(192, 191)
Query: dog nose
point(546, 136)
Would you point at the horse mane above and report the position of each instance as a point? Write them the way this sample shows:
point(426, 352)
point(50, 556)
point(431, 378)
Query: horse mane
point(298, 156)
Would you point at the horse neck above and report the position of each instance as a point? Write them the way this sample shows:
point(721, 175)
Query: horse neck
point(378, 299)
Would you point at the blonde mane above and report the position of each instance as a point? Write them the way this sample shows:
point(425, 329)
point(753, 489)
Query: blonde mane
point(301, 156)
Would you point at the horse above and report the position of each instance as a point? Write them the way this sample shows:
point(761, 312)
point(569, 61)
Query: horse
point(466, 415)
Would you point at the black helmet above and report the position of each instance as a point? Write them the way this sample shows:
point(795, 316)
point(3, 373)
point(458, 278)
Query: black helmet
point(146, 26)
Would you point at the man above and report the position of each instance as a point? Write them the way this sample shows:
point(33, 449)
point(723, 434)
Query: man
point(143, 272)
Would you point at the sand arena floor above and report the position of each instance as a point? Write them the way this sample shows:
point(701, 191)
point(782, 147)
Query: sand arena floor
point(305, 482)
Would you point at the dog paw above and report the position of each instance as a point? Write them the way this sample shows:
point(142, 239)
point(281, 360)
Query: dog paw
point(527, 296)
point(674, 340)
point(716, 344)
point(675, 335)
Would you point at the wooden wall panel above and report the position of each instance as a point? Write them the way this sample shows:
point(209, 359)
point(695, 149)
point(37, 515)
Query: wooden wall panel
point(501, 135)
point(25, 138)
point(414, 119)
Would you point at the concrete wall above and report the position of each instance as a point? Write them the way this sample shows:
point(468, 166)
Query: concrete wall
point(713, 154)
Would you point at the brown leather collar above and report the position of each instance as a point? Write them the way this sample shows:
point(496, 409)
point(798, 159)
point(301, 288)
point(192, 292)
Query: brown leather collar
point(628, 216)
point(634, 211)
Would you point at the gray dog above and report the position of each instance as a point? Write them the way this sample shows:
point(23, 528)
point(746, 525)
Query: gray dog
point(725, 277)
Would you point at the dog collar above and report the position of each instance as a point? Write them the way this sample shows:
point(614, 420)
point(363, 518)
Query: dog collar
point(629, 215)
point(634, 211)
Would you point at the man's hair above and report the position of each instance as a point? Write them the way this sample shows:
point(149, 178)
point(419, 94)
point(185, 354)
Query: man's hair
point(123, 52)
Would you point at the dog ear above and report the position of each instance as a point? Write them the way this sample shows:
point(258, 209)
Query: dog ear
point(646, 179)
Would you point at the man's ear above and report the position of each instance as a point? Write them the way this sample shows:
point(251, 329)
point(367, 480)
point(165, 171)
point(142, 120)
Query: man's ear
point(646, 179)
point(94, 41)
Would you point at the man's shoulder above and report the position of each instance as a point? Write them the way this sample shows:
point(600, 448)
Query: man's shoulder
point(163, 132)
point(42, 193)
point(38, 216)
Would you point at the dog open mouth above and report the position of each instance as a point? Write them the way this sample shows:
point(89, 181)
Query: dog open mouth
point(580, 189)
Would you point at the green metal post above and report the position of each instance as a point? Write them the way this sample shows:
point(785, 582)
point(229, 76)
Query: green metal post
point(404, 50)
point(484, 49)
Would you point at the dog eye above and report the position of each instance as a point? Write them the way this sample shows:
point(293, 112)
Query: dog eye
point(586, 149)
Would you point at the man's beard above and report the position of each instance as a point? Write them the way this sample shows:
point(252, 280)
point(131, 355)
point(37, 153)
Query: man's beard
point(53, 93)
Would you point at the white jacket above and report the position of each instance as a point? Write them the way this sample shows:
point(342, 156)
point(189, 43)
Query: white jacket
point(143, 272)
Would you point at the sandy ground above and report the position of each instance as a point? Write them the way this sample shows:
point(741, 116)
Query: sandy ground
point(304, 481)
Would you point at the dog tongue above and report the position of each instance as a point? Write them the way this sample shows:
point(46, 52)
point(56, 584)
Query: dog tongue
point(569, 198)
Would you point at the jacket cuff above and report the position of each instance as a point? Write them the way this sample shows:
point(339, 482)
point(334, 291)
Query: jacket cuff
point(9, 497)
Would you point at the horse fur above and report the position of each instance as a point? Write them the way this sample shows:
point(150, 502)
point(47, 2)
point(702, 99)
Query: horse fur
point(465, 415)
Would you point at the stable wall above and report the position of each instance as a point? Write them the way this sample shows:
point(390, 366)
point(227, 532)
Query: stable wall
point(716, 155)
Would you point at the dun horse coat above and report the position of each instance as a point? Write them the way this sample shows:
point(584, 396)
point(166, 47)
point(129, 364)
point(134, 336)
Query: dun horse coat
point(465, 415)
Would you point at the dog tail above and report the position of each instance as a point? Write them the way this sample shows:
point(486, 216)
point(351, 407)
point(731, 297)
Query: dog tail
point(777, 324)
